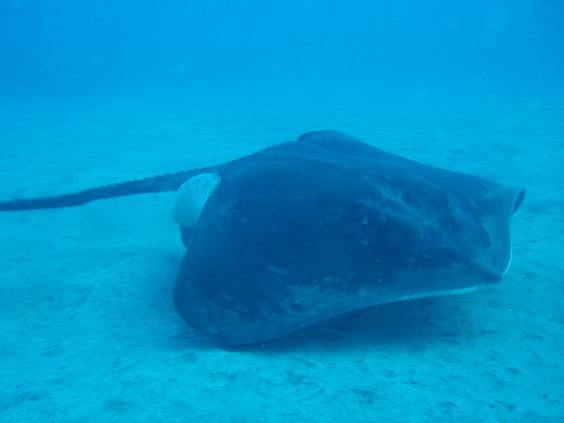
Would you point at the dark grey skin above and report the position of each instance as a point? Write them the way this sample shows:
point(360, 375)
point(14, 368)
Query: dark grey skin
point(307, 230)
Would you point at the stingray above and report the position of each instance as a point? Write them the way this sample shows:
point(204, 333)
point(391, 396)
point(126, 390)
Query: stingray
point(308, 230)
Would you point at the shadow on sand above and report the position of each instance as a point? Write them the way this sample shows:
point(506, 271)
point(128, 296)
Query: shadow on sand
point(408, 325)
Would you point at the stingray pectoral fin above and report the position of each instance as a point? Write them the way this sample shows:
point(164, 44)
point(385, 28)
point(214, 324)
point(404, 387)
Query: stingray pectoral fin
point(518, 197)
point(498, 204)
point(191, 198)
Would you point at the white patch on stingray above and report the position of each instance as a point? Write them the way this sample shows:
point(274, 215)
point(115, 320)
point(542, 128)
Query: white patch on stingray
point(510, 258)
point(438, 293)
point(191, 198)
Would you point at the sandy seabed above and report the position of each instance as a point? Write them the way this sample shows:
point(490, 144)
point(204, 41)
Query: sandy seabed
point(88, 330)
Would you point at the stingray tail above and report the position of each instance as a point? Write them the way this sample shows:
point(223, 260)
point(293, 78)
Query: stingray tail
point(153, 184)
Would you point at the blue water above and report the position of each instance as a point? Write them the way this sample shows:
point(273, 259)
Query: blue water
point(66, 47)
point(98, 92)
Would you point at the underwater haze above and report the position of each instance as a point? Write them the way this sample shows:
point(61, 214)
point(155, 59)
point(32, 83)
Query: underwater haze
point(67, 47)
point(99, 92)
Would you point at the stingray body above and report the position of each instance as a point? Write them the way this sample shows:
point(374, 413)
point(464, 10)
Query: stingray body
point(307, 230)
